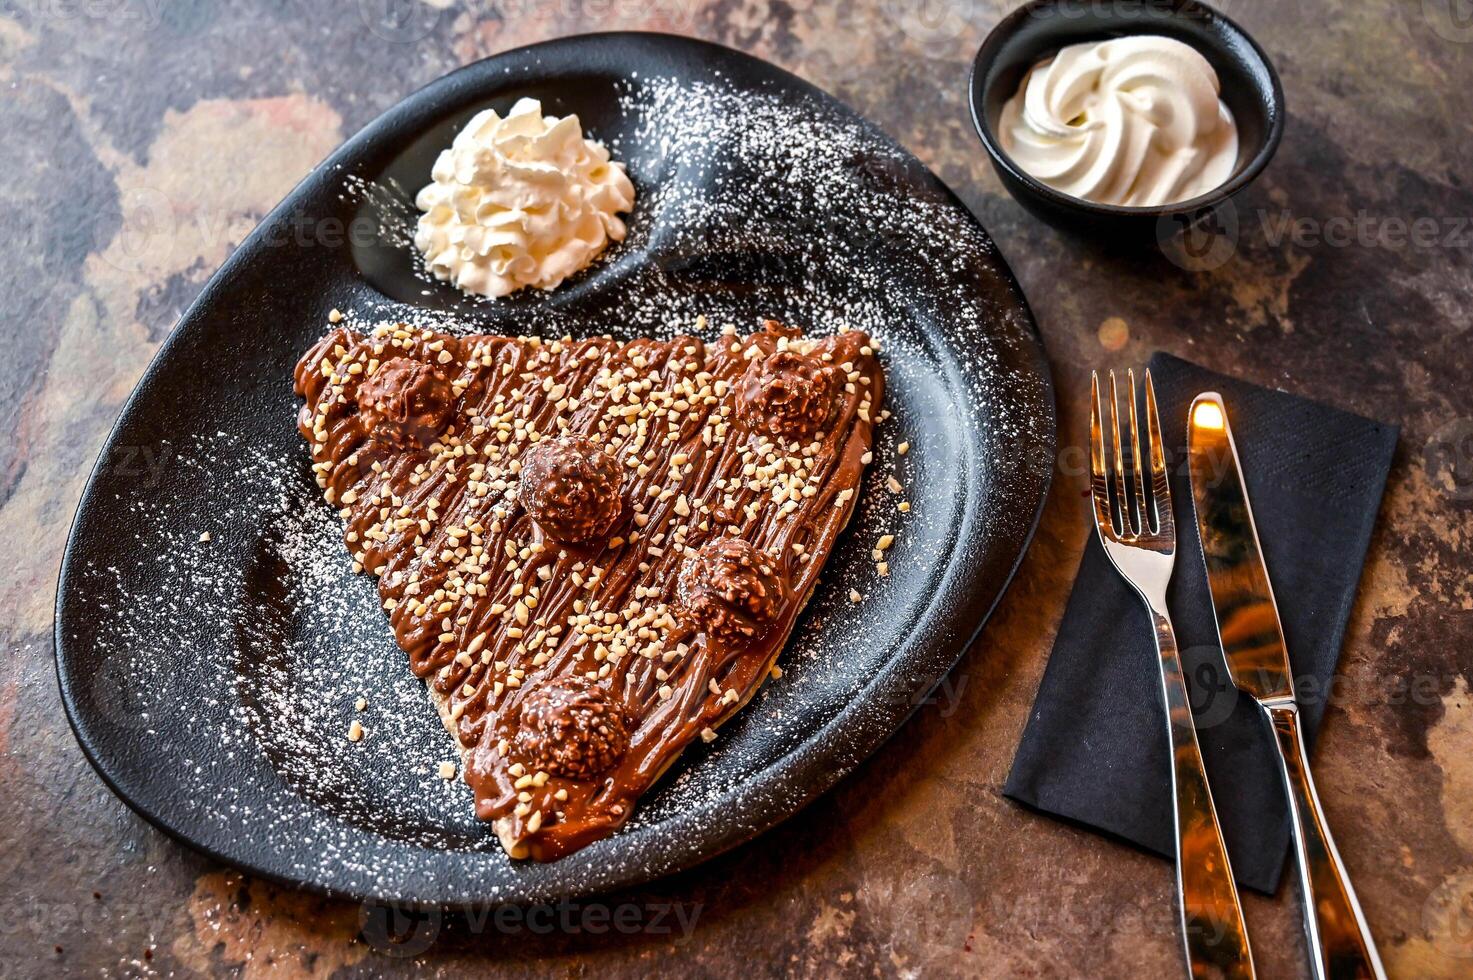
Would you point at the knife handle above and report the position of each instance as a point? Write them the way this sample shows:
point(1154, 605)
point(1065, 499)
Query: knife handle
point(1340, 943)
point(1212, 923)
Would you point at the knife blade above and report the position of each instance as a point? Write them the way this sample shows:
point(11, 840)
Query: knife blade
point(1257, 658)
point(1242, 596)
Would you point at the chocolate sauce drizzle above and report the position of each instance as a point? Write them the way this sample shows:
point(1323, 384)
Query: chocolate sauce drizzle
point(572, 673)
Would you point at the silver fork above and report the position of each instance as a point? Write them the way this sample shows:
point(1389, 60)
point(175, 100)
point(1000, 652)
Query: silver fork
point(1139, 536)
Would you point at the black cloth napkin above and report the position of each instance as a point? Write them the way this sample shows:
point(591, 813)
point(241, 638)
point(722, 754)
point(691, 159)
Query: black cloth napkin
point(1094, 749)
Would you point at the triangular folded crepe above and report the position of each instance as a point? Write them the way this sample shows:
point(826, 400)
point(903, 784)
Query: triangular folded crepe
point(592, 551)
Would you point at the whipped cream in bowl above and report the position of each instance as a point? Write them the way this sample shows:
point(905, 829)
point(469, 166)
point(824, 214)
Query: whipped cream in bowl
point(1108, 122)
point(1132, 122)
point(520, 200)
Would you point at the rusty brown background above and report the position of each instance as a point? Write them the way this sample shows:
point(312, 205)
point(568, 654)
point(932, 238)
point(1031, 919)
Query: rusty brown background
point(141, 139)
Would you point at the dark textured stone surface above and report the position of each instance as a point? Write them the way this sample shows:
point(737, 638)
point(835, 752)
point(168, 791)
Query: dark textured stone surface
point(144, 138)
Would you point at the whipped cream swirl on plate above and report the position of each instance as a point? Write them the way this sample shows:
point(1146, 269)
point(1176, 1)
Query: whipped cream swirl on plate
point(520, 200)
point(1134, 121)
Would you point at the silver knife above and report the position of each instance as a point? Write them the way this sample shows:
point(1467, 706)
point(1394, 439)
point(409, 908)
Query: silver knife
point(1340, 944)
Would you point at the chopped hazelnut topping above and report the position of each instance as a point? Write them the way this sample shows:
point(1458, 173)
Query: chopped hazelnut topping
point(575, 537)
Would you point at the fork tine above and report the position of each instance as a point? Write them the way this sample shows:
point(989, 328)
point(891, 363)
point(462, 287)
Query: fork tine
point(1121, 497)
point(1160, 486)
point(1098, 486)
point(1137, 471)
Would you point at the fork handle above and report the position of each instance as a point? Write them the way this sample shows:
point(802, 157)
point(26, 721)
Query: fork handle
point(1213, 930)
point(1340, 943)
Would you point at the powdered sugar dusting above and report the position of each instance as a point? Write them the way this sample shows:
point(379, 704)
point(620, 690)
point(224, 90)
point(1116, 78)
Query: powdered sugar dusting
point(257, 643)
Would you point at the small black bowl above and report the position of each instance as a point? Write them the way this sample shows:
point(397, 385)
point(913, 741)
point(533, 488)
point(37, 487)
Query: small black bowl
point(1250, 87)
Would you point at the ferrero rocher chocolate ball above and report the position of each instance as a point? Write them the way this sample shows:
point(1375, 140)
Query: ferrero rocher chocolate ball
point(405, 403)
point(788, 395)
point(572, 727)
point(731, 590)
point(571, 488)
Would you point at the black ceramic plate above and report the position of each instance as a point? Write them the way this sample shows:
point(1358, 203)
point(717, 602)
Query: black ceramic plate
point(212, 682)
